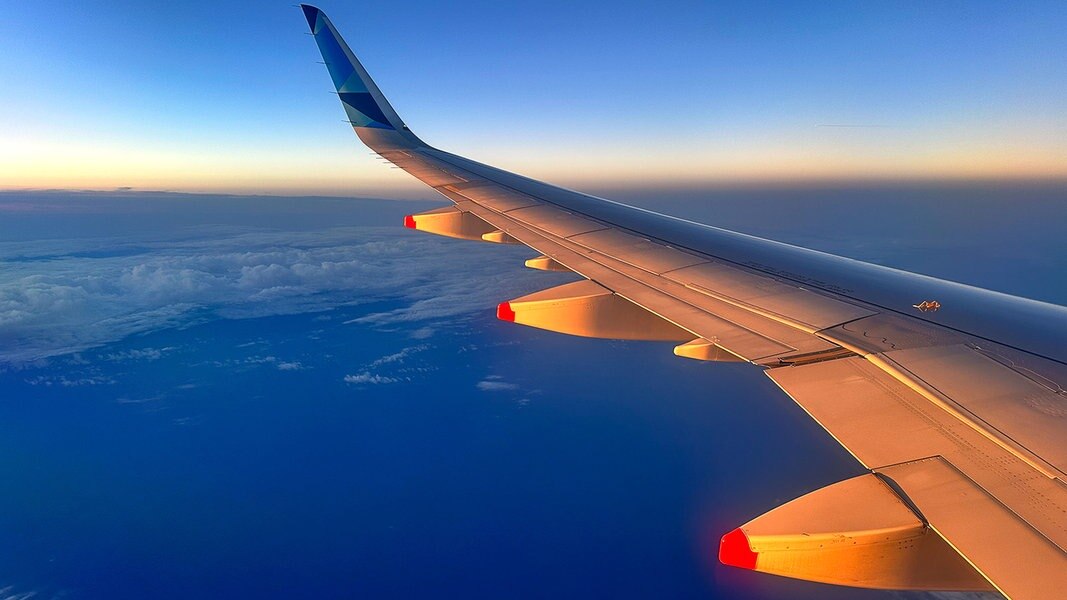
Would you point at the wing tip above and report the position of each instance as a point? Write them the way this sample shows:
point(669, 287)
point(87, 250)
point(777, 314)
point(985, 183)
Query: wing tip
point(311, 13)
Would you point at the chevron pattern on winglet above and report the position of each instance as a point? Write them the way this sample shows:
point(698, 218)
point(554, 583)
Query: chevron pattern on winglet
point(358, 102)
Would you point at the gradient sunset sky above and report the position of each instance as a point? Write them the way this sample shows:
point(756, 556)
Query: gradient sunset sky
point(227, 96)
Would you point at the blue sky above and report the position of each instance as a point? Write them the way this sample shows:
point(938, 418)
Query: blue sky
point(226, 96)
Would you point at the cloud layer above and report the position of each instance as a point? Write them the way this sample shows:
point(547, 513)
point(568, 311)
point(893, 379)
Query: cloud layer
point(61, 296)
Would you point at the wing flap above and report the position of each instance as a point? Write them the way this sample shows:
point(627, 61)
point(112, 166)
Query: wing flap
point(1018, 409)
point(882, 422)
point(854, 400)
point(894, 430)
point(1017, 559)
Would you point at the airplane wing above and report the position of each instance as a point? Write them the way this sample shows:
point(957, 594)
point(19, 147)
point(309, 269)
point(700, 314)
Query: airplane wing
point(951, 396)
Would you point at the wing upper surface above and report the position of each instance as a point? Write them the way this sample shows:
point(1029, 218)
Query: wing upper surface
point(963, 407)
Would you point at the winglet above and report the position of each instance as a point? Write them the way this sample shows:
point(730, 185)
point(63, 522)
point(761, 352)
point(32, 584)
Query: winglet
point(311, 13)
point(362, 100)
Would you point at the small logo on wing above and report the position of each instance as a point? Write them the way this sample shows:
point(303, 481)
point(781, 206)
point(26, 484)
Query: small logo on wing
point(928, 305)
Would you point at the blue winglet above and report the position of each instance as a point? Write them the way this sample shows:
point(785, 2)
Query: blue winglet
point(311, 13)
point(362, 100)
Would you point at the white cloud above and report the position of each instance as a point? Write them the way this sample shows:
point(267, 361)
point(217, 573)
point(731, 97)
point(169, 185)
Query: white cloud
point(422, 333)
point(64, 381)
point(370, 378)
point(63, 296)
point(390, 361)
point(495, 385)
point(148, 354)
point(397, 357)
point(258, 360)
point(9, 593)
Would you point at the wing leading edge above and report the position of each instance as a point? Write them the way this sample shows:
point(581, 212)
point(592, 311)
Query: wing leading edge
point(958, 413)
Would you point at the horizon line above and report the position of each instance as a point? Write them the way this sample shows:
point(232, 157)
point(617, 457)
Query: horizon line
point(377, 194)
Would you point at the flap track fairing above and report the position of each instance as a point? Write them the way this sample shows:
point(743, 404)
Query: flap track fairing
point(587, 309)
point(859, 532)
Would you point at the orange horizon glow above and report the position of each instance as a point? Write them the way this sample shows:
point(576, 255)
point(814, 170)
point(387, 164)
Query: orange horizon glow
point(26, 165)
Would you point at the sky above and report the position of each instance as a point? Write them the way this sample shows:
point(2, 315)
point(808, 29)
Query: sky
point(227, 96)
